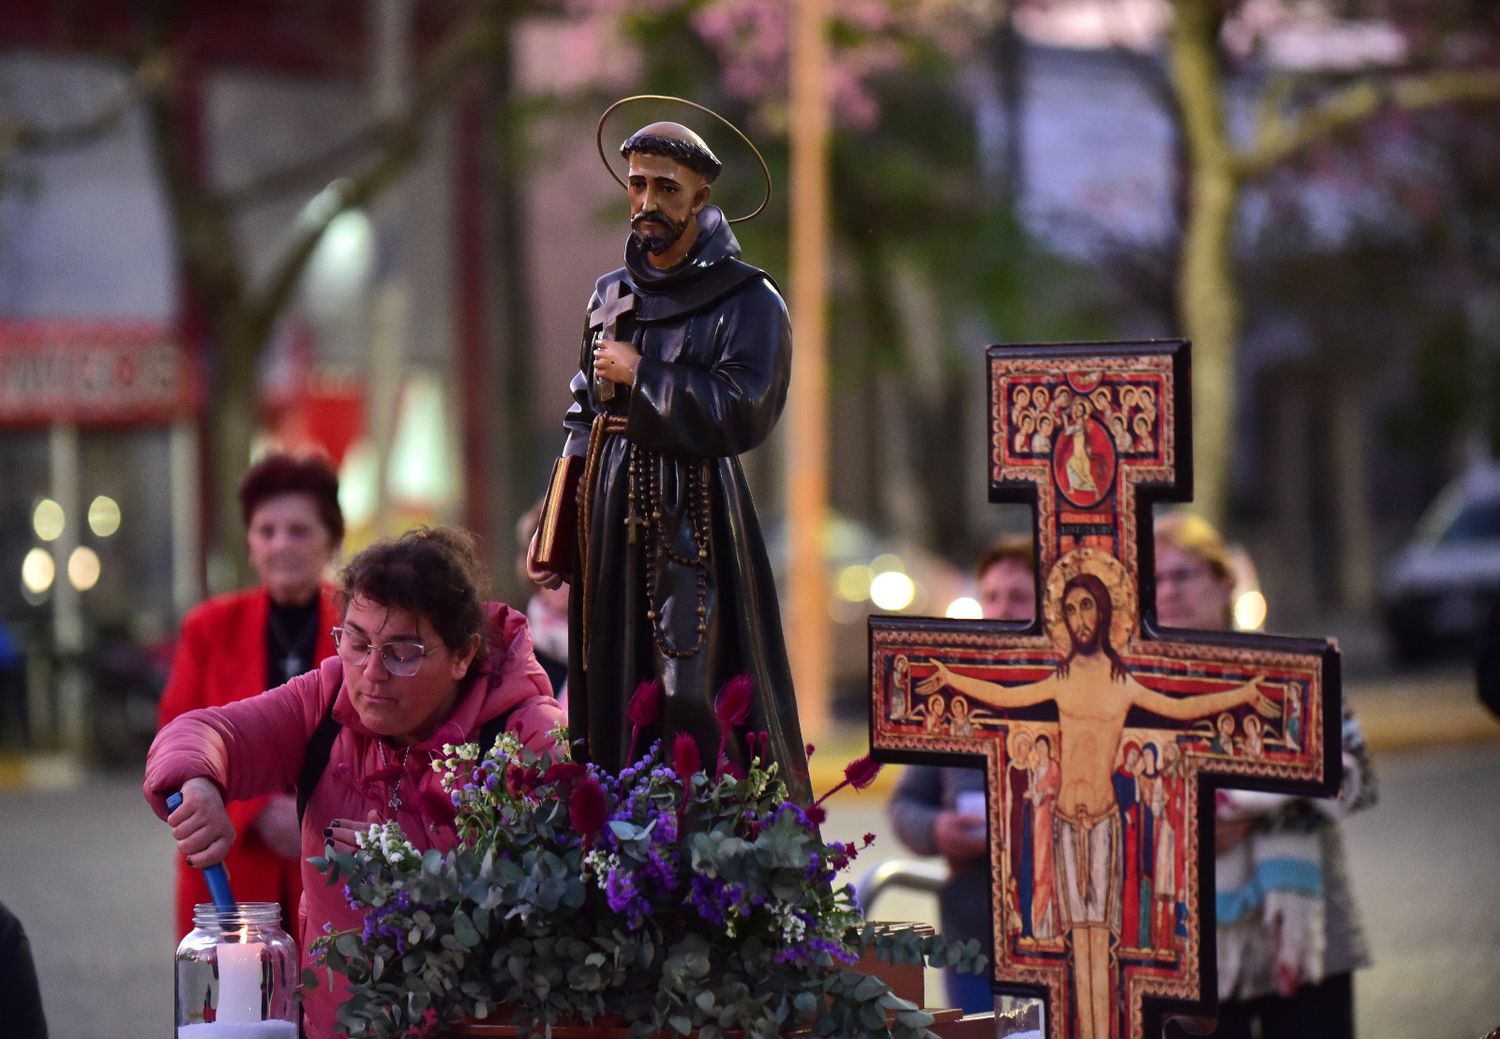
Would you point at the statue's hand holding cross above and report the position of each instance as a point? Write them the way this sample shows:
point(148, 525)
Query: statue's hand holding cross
point(614, 361)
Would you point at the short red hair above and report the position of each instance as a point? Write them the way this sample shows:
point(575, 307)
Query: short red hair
point(280, 473)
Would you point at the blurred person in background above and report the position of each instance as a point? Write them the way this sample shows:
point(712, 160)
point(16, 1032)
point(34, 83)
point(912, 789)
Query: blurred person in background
point(1289, 937)
point(238, 644)
point(546, 611)
point(925, 807)
point(422, 661)
point(20, 996)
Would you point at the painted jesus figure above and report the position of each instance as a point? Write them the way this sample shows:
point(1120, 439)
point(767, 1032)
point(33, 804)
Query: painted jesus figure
point(1093, 693)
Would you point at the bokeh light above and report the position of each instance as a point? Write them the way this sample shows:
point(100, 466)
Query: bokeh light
point(104, 516)
point(854, 582)
point(892, 590)
point(47, 520)
point(1250, 611)
point(83, 568)
point(964, 608)
point(38, 571)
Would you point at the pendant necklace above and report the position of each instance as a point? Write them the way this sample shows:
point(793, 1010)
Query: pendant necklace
point(394, 803)
point(291, 663)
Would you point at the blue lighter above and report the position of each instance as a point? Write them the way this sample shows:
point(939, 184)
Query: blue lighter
point(218, 880)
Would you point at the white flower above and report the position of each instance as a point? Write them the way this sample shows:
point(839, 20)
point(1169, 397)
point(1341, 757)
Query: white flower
point(600, 863)
point(388, 842)
point(792, 927)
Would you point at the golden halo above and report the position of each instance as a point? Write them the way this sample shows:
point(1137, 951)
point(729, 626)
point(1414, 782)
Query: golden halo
point(764, 169)
point(1013, 742)
point(1116, 580)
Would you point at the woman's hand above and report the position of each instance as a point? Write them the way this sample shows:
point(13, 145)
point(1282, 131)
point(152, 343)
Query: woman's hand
point(278, 826)
point(200, 826)
point(339, 834)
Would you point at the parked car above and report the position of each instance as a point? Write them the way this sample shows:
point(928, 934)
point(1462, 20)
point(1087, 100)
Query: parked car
point(1446, 578)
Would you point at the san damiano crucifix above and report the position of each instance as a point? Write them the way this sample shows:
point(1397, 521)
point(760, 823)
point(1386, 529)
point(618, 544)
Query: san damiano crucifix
point(1101, 874)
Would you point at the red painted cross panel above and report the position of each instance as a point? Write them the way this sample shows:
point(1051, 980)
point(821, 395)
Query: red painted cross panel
point(1103, 739)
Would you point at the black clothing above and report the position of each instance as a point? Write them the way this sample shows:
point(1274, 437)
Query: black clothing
point(1321, 1011)
point(291, 640)
point(20, 997)
point(716, 356)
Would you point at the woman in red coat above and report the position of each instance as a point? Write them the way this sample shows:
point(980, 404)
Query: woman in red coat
point(236, 645)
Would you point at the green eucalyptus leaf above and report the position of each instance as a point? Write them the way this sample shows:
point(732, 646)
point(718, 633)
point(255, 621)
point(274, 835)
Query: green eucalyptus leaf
point(464, 930)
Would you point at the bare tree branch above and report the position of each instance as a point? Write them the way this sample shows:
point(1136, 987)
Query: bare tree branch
point(1280, 138)
point(402, 140)
point(30, 138)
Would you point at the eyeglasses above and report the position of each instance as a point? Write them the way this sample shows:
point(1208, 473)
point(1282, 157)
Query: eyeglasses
point(402, 659)
point(1182, 575)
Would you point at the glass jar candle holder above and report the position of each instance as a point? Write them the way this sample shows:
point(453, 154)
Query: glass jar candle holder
point(237, 975)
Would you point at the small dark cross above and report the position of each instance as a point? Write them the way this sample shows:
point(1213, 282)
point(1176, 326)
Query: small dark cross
point(1103, 739)
point(603, 321)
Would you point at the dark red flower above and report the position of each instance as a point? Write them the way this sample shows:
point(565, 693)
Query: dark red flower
point(869, 839)
point(643, 710)
point(810, 748)
point(685, 757)
point(563, 773)
point(817, 815)
point(732, 706)
point(858, 774)
point(587, 809)
point(520, 781)
point(861, 772)
point(645, 704)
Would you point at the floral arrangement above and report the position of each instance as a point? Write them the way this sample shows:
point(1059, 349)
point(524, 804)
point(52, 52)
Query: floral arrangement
point(669, 899)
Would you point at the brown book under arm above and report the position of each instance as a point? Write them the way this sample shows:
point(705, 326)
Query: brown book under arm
point(557, 528)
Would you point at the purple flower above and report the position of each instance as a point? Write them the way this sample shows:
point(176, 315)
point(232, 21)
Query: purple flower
point(621, 895)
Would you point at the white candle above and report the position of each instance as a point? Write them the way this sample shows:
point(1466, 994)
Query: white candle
point(254, 1030)
point(239, 982)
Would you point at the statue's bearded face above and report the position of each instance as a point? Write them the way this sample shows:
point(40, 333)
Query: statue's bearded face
point(665, 197)
point(656, 231)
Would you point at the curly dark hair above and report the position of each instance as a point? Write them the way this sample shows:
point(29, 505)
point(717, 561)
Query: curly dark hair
point(433, 572)
point(694, 156)
point(282, 473)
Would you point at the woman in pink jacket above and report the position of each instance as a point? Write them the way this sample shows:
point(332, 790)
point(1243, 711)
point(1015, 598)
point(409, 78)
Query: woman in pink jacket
point(421, 662)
